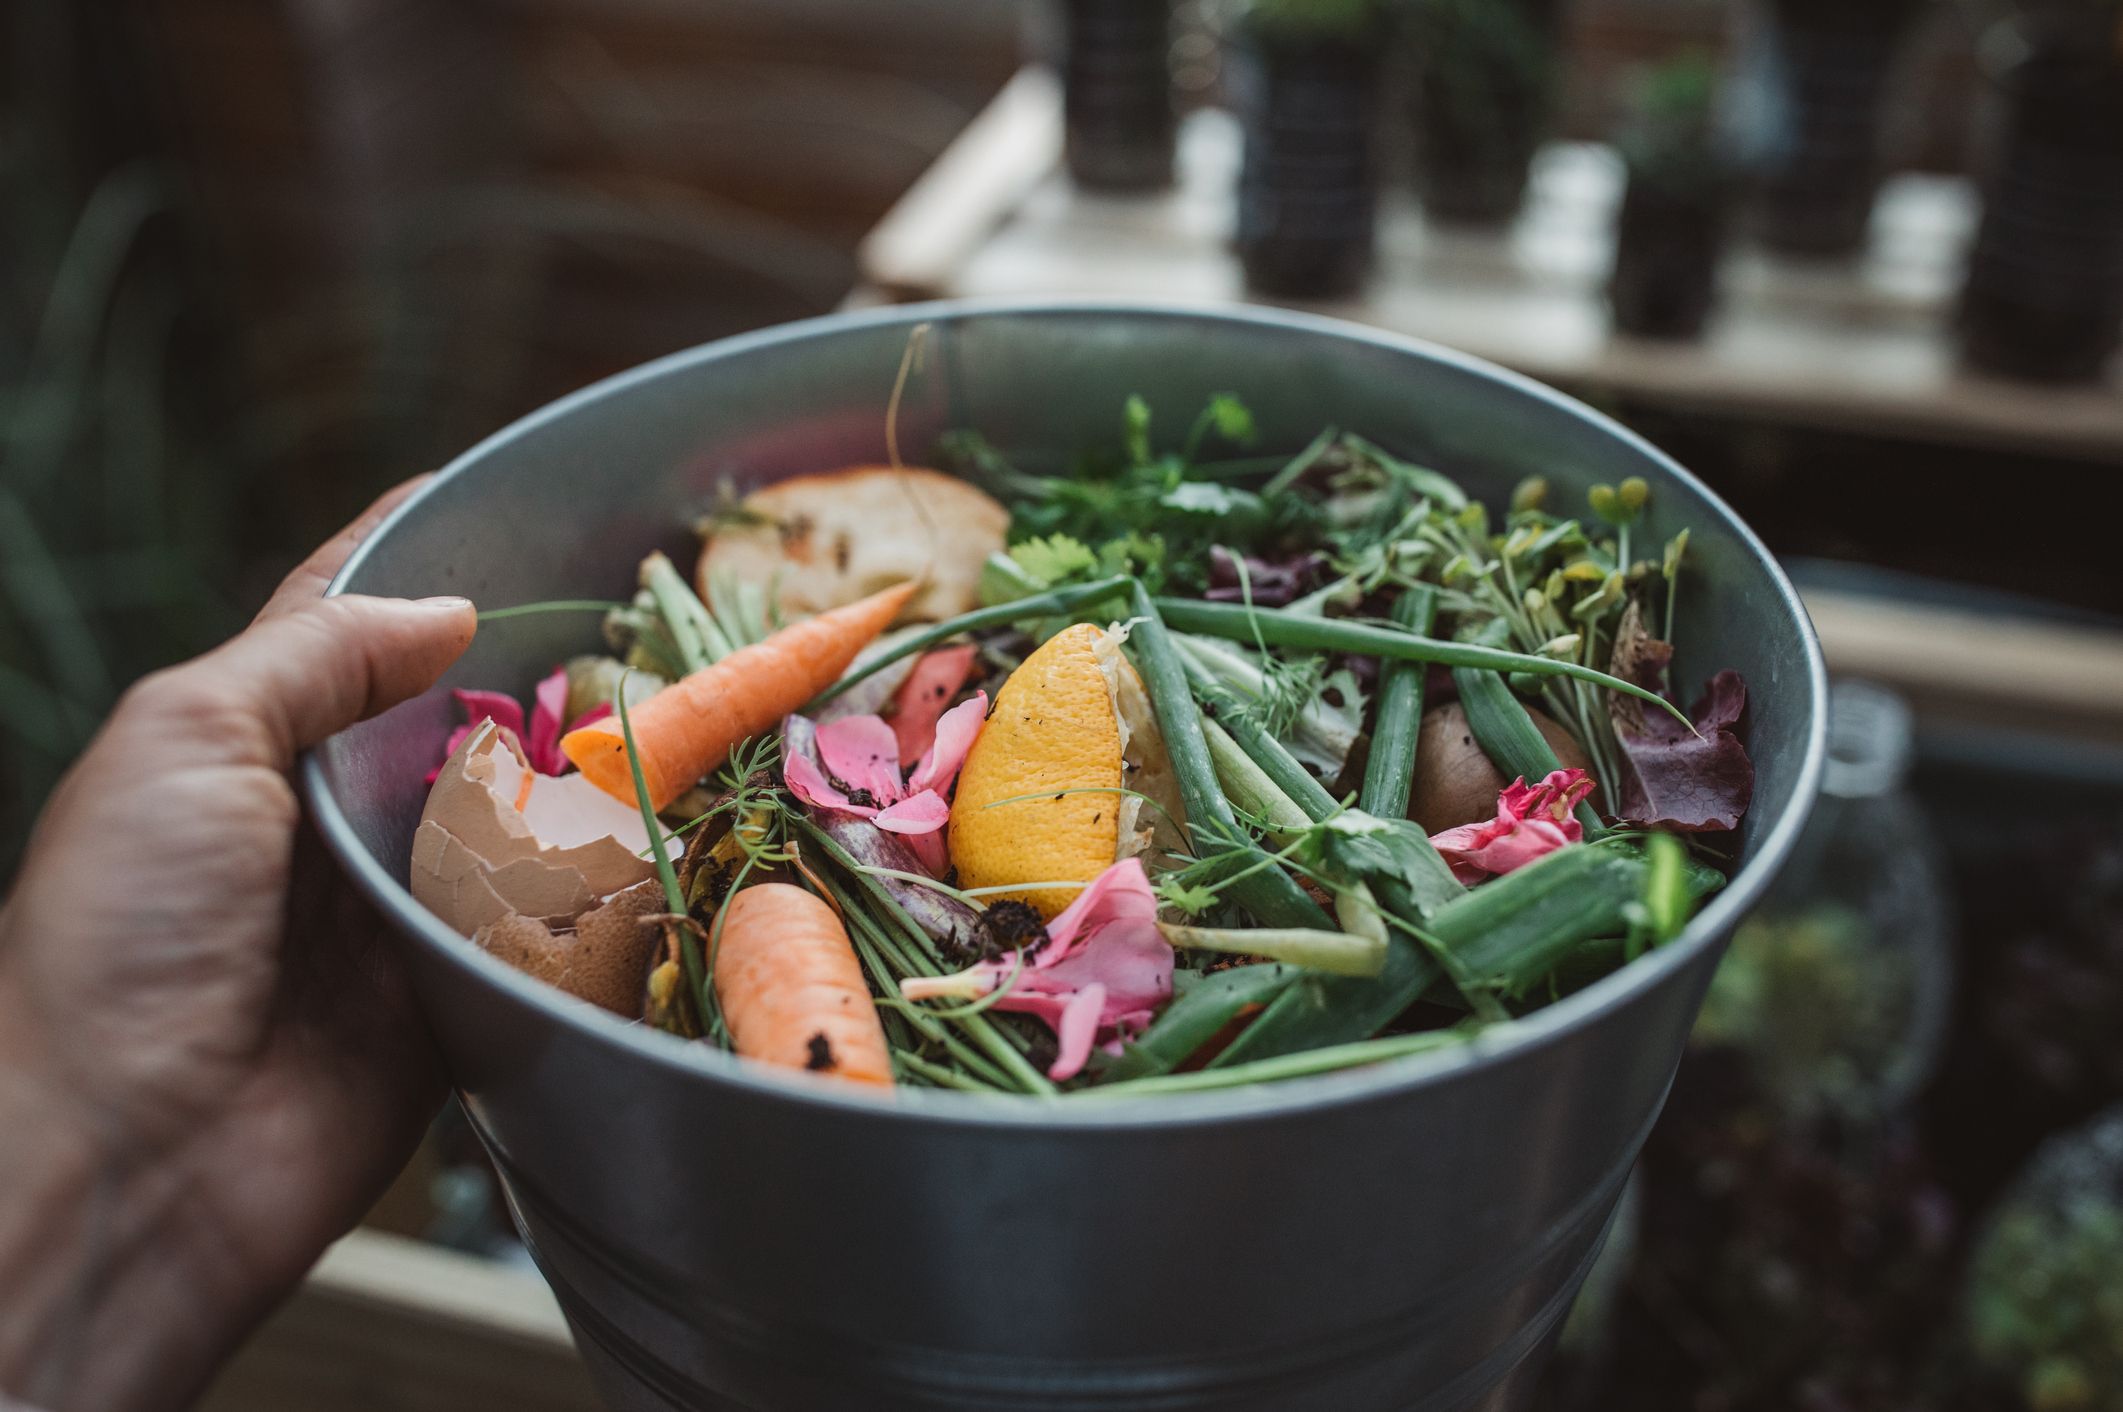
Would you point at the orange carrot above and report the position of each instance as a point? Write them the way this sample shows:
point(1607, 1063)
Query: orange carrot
point(791, 988)
point(687, 729)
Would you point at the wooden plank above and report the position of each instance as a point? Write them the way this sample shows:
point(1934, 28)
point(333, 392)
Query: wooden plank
point(1864, 346)
point(1986, 670)
point(386, 1324)
point(983, 176)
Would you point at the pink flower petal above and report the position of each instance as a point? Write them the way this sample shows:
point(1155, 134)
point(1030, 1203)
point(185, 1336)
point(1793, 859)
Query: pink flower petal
point(810, 785)
point(862, 753)
point(1531, 822)
point(925, 812)
point(449, 748)
point(930, 851)
point(956, 731)
point(1079, 1026)
point(542, 744)
point(590, 717)
point(934, 680)
point(496, 706)
point(1528, 840)
point(1132, 966)
point(1105, 970)
point(1120, 894)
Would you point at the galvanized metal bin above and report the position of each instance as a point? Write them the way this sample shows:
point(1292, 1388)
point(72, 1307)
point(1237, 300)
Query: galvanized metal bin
point(1407, 1236)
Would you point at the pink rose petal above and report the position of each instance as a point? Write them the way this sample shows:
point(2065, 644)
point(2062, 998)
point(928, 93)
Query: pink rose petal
point(1105, 970)
point(956, 730)
point(1119, 894)
point(496, 706)
point(480, 707)
point(935, 679)
point(862, 753)
point(925, 812)
point(1079, 1026)
point(542, 746)
point(810, 784)
point(1531, 822)
point(596, 713)
point(929, 850)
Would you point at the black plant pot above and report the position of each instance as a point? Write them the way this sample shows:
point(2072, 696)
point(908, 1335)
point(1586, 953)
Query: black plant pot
point(1667, 243)
point(1820, 71)
point(1118, 116)
point(1308, 187)
point(2044, 297)
point(1483, 77)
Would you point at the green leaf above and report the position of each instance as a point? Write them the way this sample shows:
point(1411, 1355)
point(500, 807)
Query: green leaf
point(1354, 844)
point(1190, 898)
point(1190, 1021)
point(1055, 559)
point(1233, 419)
point(1135, 430)
point(1142, 555)
point(1667, 895)
point(1004, 580)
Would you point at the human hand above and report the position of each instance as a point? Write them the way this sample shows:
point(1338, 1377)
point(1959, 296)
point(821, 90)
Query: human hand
point(210, 1063)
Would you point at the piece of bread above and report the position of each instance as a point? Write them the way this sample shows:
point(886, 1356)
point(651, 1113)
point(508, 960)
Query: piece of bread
point(830, 539)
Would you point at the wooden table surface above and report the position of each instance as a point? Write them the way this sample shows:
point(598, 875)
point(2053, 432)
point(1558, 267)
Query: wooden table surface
point(1864, 346)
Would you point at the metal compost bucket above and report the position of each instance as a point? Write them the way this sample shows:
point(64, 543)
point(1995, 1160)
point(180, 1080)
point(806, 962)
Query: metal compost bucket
point(1406, 1236)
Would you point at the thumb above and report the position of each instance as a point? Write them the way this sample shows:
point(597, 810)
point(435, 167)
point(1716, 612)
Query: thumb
point(290, 680)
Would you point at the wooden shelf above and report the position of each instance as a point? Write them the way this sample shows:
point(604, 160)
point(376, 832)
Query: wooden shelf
point(1861, 347)
point(384, 1322)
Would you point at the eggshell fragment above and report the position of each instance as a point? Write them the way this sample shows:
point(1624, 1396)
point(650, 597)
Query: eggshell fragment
point(605, 960)
point(830, 539)
point(1456, 783)
point(497, 839)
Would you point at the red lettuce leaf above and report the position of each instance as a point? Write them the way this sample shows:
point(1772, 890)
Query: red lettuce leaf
point(1672, 778)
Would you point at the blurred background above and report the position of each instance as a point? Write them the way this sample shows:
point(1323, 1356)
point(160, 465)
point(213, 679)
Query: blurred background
point(1859, 263)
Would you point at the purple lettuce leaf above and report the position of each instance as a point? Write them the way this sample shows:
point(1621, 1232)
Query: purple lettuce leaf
point(1672, 778)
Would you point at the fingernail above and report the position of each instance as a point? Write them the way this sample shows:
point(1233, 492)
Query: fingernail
point(448, 601)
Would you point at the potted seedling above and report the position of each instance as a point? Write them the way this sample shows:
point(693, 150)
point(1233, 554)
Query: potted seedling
point(1672, 224)
point(1815, 75)
point(1482, 82)
point(1118, 119)
point(1303, 78)
point(2044, 297)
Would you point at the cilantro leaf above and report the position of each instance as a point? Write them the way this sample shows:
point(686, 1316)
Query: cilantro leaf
point(1055, 559)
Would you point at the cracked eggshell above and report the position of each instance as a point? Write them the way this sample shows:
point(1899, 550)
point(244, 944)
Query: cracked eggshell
point(498, 839)
point(830, 539)
point(604, 960)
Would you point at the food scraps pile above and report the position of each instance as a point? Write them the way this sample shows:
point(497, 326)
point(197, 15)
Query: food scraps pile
point(1159, 770)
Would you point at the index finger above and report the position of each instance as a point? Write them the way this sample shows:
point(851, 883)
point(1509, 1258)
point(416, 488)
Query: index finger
point(313, 575)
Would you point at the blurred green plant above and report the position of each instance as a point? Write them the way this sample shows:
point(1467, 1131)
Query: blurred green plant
point(109, 521)
point(1669, 136)
point(1816, 1005)
point(2044, 1302)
